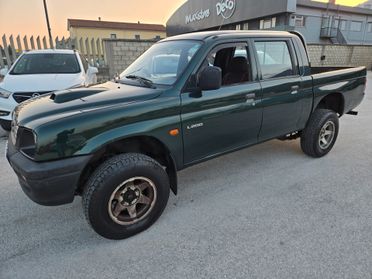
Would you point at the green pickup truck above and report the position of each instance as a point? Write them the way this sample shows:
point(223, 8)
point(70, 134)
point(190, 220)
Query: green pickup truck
point(188, 99)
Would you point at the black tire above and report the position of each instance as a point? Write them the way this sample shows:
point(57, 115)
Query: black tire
point(6, 125)
point(310, 138)
point(104, 182)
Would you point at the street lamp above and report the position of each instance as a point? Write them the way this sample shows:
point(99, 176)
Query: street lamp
point(48, 25)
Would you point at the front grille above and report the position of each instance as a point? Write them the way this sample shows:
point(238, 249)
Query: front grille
point(20, 97)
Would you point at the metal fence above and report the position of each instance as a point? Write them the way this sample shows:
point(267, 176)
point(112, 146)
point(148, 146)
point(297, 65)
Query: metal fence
point(12, 47)
point(93, 49)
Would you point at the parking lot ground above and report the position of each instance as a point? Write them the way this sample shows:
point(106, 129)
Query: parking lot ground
point(265, 212)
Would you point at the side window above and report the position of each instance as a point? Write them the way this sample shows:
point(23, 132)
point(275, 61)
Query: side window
point(85, 62)
point(275, 59)
point(233, 61)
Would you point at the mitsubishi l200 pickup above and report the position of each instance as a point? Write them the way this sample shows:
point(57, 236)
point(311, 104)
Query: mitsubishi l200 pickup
point(188, 99)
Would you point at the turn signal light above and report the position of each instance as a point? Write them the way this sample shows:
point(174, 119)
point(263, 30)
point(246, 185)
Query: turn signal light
point(174, 132)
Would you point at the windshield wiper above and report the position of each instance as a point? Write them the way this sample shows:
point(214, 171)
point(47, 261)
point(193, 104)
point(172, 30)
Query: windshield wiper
point(144, 81)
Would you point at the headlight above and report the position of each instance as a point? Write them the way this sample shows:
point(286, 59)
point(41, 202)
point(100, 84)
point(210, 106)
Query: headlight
point(5, 93)
point(27, 142)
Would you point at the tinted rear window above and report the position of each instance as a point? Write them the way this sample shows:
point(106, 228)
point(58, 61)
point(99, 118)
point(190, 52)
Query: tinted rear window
point(275, 59)
point(46, 63)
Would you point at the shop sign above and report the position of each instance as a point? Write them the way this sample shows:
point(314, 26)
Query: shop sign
point(198, 16)
point(224, 8)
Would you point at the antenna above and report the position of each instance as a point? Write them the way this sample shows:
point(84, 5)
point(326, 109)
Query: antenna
point(223, 21)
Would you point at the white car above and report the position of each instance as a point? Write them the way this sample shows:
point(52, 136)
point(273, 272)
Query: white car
point(40, 72)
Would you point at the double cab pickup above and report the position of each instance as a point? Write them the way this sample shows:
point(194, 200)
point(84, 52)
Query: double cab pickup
point(188, 99)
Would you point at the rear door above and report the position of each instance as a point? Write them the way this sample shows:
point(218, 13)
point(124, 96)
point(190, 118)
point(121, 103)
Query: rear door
point(281, 87)
point(218, 121)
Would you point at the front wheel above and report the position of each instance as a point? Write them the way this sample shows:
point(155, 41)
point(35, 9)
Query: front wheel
point(320, 134)
point(125, 195)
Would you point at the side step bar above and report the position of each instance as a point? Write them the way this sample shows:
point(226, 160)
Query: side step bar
point(355, 113)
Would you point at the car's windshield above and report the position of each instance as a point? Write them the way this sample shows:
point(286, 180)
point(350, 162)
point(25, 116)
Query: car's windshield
point(164, 62)
point(46, 63)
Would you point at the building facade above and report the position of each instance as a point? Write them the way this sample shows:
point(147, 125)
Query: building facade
point(324, 23)
point(97, 29)
point(366, 5)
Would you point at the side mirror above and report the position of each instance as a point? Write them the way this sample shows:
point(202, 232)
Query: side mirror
point(91, 76)
point(3, 72)
point(92, 71)
point(210, 78)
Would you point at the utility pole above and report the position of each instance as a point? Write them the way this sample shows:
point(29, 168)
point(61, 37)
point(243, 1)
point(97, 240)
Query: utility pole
point(48, 25)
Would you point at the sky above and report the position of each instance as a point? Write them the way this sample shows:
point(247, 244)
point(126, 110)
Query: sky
point(26, 17)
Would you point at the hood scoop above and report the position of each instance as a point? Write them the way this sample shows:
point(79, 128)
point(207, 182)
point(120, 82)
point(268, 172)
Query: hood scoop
point(64, 96)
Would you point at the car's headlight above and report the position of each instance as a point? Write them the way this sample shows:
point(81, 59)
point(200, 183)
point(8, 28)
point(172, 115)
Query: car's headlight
point(4, 93)
point(27, 142)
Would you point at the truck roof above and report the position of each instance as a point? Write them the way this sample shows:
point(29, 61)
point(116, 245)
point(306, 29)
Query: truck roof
point(229, 34)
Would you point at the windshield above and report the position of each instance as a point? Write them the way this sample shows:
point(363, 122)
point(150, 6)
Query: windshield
point(164, 62)
point(46, 63)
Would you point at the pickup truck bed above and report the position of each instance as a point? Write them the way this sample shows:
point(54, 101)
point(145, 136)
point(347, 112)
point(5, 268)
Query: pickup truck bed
point(348, 82)
point(325, 69)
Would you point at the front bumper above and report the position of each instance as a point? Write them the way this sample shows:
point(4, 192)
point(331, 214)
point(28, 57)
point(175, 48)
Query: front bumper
point(47, 183)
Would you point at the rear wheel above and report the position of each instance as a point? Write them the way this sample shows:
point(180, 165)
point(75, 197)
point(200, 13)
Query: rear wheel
point(125, 195)
point(320, 134)
point(6, 125)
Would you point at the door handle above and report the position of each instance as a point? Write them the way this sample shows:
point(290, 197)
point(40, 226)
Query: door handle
point(294, 89)
point(251, 96)
point(250, 99)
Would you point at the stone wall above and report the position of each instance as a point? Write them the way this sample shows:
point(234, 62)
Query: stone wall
point(341, 55)
point(103, 74)
point(119, 54)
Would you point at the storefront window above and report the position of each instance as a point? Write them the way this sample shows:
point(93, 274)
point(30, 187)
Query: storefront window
point(342, 25)
point(356, 26)
point(268, 23)
point(299, 21)
point(273, 22)
point(370, 27)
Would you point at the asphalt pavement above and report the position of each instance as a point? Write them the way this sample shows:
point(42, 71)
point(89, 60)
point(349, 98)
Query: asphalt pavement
point(265, 212)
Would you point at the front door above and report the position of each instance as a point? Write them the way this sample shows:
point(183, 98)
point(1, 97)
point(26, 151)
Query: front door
point(218, 121)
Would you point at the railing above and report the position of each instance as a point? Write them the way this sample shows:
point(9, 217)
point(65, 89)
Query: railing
point(341, 38)
point(334, 34)
point(328, 32)
point(11, 48)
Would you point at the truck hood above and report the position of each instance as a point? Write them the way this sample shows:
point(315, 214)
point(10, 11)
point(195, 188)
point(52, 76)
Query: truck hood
point(40, 83)
point(60, 104)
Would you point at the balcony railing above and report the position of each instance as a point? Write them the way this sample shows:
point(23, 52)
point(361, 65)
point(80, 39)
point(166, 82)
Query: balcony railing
point(334, 34)
point(328, 32)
